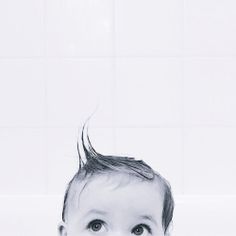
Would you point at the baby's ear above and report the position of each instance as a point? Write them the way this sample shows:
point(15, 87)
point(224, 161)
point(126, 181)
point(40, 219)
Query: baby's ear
point(62, 229)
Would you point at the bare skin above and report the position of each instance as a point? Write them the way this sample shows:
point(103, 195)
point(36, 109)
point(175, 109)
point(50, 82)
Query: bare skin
point(107, 209)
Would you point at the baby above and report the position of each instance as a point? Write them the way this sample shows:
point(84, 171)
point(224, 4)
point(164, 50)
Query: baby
point(115, 196)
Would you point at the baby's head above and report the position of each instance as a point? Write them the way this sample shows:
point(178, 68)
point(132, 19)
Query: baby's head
point(115, 196)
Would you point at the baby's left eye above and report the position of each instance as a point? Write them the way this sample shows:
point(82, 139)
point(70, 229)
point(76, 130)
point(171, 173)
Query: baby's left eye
point(96, 225)
point(139, 229)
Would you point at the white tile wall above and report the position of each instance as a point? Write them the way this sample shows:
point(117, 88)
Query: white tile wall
point(209, 28)
point(78, 88)
point(209, 91)
point(149, 28)
point(163, 70)
point(61, 158)
point(209, 160)
point(79, 28)
point(148, 92)
point(23, 161)
point(21, 24)
point(22, 93)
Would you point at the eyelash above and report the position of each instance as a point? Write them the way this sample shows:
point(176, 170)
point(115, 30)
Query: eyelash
point(89, 226)
point(146, 227)
point(102, 222)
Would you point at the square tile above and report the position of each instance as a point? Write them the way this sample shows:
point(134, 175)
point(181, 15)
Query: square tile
point(148, 92)
point(153, 28)
point(21, 24)
point(78, 88)
point(209, 28)
point(22, 93)
point(209, 160)
point(23, 161)
point(161, 148)
point(209, 92)
point(79, 28)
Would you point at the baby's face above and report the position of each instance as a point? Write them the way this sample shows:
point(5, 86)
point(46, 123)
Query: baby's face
point(106, 209)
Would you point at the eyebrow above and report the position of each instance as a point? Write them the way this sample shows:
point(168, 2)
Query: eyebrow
point(95, 211)
point(144, 217)
point(148, 217)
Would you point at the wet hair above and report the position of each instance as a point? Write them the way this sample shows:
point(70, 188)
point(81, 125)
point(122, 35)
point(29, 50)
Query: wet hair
point(99, 164)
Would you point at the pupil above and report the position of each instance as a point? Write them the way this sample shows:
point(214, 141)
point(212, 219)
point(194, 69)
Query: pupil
point(96, 226)
point(139, 230)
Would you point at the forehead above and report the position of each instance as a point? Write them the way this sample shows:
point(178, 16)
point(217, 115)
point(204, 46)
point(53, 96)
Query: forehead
point(116, 194)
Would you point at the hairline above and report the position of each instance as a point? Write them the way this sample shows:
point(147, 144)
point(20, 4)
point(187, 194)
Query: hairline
point(88, 179)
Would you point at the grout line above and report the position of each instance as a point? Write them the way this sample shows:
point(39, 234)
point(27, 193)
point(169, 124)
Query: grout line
point(217, 57)
point(183, 130)
point(169, 126)
point(183, 108)
point(46, 128)
point(114, 63)
point(45, 99)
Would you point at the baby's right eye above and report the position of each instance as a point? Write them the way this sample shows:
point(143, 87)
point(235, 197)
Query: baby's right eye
point(96, 225)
